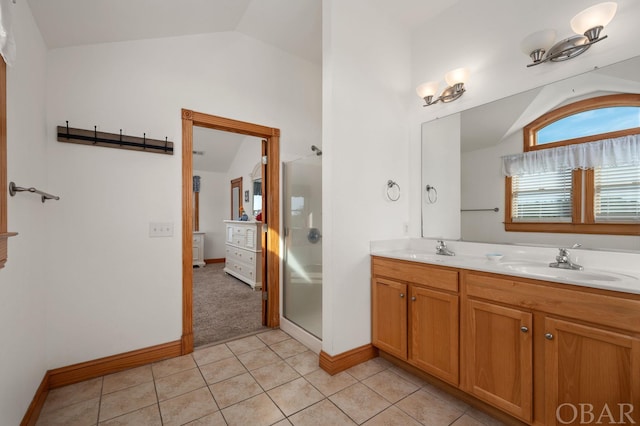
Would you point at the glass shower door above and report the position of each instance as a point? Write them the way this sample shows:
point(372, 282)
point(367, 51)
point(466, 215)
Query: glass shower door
point(302, 292)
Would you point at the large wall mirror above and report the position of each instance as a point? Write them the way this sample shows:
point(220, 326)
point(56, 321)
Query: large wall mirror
point(461, 158)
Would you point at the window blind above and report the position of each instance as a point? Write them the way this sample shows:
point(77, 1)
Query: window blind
point(617, 194)
point(542, 197)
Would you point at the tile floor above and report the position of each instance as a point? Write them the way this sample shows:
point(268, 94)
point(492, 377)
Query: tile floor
point(265, 379)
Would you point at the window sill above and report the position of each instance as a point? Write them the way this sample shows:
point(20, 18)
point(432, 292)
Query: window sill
point(575, 228)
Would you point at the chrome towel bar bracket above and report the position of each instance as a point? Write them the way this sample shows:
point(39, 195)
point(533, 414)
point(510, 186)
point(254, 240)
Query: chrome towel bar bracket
point(13, 189)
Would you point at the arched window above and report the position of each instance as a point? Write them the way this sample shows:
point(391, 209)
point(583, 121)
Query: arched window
point(580, 170)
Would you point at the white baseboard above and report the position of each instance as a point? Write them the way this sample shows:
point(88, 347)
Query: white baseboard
point(300, 335)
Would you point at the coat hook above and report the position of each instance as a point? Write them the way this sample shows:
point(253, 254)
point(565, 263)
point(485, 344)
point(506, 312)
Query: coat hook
point(95, 134)
point(144, 141)
point(165, 143)
point(67, 129)
point(120, 137)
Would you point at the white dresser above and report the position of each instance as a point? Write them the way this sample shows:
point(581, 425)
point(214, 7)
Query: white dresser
point(198, 249)
point(243, 260)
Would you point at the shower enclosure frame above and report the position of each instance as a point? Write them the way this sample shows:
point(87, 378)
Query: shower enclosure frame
point(302, 243)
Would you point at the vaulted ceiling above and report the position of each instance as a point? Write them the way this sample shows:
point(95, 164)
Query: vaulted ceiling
point(291, 25)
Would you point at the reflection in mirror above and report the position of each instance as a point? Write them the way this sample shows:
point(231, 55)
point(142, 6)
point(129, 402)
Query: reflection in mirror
point(256, 177)
point(481, 136)
point(236, 190)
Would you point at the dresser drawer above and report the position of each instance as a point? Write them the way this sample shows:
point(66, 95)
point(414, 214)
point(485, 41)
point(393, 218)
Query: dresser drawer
point(241, 255)
point(243, 270)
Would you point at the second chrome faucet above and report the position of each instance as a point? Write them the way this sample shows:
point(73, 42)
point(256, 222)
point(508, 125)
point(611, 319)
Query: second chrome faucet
point(442, 249)
point(563, 261)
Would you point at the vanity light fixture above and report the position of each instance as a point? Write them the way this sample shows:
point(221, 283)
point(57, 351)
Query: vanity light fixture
point(587, 25)
point(455, 80)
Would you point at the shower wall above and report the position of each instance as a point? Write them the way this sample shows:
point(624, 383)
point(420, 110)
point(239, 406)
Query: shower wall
point(302, 216)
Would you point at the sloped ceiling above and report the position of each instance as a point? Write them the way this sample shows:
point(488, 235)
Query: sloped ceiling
point(294, 26)
point(291, 25)
point(216, 149)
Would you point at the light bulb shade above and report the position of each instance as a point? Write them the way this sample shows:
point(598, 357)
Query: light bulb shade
point(598, 15)
point(459, 75)
point(427, 89)
point(539, 40)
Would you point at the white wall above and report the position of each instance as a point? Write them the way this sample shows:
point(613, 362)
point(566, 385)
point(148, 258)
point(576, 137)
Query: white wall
point(441, 169)
point(214, 208)
point(366, 64)
point(112, 288)
point(24, 278)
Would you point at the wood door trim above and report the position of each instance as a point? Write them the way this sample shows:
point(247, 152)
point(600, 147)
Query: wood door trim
point(272, 280)
point(264, 150)
point(236, 183)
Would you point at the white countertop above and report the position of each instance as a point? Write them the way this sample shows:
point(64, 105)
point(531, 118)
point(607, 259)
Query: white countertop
point(617, 271)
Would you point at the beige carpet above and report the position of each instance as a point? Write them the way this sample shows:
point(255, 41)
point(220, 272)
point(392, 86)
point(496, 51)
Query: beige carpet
point(223, 306)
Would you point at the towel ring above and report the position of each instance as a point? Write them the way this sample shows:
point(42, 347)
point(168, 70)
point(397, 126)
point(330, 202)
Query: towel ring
point(430, 189)
point(393, 194)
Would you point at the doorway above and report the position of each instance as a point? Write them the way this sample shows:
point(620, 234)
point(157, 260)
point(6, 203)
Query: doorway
point(270, 215)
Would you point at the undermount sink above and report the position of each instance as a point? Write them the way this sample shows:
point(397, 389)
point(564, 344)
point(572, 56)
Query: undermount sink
point(549, 272)
point(426, 257)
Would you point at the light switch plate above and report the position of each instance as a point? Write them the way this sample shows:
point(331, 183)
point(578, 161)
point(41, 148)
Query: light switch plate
point(160, 229)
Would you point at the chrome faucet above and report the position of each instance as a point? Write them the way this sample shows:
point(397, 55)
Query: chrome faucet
point(442, 249)
point(563, 261)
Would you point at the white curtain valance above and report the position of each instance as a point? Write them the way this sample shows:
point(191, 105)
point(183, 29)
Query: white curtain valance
point(616, 152)
point(7, 43)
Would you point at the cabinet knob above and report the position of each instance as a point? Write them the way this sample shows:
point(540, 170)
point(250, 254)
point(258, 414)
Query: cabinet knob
point(548, 336)
point(401, 295)
point(413, 298)
point(524, 329)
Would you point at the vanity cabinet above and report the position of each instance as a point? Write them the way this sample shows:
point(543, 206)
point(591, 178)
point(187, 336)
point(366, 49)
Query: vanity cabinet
point(589, 364)
point(540, 351)
point(499, 356)
point(551, 345)
point(415, 315)
point(434, 332)
point(389, 325)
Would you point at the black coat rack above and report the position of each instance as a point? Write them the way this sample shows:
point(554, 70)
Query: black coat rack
point(114, 140)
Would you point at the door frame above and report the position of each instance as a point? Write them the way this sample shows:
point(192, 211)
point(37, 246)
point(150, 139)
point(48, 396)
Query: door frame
point(236, 183)
point(270, 217)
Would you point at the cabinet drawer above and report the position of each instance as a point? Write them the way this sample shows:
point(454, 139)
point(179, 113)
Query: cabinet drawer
point(419, 273)
point(613, 311)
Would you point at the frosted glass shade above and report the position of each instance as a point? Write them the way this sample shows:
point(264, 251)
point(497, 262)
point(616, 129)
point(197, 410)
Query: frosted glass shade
point(599, 15)
point(459, 75)
point(427, 89)
point(539, 40)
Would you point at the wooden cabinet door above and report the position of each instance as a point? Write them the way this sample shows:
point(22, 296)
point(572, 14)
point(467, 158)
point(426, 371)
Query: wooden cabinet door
point(498, 356)
point(434, 332)
point(597, 368)
point(389, 316)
